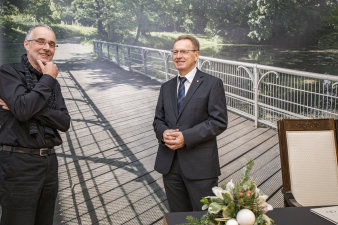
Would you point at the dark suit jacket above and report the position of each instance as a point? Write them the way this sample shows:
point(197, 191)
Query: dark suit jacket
point(203, 116)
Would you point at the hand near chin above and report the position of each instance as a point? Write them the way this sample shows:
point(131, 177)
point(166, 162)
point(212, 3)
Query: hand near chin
point(3, 104)
point(48, 68)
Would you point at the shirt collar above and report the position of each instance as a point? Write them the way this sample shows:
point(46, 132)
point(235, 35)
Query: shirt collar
point(190, 76)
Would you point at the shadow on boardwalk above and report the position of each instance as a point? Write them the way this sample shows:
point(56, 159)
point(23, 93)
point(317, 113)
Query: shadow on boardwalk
point(106, 162)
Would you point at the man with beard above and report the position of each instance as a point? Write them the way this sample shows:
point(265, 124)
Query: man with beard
point(32, 111)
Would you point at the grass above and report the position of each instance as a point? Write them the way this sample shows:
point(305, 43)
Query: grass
point(14, 29)
point(165, 40)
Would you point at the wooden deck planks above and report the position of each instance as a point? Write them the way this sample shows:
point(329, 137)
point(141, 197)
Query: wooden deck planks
point(106, 161)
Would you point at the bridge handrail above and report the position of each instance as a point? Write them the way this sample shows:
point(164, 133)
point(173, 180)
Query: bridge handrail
point(262, 93)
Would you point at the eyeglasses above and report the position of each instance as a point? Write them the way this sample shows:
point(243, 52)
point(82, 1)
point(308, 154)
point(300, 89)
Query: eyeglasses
point(183, 52)
point(42, 42)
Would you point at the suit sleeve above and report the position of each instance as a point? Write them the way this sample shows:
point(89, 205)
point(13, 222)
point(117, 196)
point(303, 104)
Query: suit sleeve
point(23, 104)
point(217, 120)
point(159, 123)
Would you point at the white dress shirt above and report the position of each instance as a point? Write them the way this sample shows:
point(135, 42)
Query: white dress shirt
point(190, 77)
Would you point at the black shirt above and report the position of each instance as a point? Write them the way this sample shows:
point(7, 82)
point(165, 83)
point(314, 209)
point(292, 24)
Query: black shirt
point(25, 106)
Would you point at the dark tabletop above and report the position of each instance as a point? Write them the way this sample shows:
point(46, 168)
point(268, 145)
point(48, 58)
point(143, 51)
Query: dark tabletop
point(281, 216)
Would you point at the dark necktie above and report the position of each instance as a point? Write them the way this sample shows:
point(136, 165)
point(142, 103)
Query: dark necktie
point(181, 93)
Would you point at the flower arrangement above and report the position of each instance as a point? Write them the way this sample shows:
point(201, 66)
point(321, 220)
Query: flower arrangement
point(235, 204)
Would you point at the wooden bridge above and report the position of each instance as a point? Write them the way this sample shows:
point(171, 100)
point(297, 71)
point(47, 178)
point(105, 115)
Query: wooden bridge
point(106, 162)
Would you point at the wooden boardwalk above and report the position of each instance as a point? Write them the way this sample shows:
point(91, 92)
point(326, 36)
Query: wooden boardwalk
point(106, 161)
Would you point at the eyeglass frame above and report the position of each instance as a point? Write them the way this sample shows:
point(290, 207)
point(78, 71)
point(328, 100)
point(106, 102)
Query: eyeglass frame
point(183, 52)
point(43, 42)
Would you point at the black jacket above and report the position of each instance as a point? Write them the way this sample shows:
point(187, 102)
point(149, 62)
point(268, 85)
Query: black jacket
point(27, 105)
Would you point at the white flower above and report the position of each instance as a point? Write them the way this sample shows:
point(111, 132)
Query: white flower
point(268, 207)
point(218, 192)
point(262, 199)
point(230, 186)
point(262, 203)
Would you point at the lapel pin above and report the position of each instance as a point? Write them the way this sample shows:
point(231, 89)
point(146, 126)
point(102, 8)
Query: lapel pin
point(198, 81)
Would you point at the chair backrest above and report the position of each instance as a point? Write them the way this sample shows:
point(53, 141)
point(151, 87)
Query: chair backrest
point(309, 159)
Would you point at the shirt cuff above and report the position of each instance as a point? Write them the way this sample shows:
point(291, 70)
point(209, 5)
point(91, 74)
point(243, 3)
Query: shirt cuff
point(48, 80)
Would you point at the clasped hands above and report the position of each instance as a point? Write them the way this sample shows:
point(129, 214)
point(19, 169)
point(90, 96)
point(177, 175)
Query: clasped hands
point(173, 139)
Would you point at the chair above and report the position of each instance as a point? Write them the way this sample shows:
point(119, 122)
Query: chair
point(309, 161)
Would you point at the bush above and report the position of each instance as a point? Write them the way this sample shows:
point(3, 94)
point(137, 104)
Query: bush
point(14, 28)
point(328, 41)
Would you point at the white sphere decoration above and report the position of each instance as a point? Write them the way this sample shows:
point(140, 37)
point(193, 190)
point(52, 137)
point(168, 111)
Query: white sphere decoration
point(245, 217)
point(231, 222)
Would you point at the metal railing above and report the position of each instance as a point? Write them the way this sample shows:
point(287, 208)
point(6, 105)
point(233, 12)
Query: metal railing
point(265, 94)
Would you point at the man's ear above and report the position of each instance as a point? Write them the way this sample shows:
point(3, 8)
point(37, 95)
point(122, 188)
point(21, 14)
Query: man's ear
point(197, 54)
point(26, 45)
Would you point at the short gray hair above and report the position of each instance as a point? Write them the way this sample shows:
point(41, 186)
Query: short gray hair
point(30, 31)
point(193, 40)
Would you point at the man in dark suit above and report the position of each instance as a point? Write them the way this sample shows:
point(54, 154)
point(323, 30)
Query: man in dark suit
point(191, 111)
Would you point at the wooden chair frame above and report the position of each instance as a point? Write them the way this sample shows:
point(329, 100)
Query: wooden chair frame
point(298, 125)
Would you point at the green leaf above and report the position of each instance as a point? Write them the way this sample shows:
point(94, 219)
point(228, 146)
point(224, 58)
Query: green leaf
point(205, 200)
point(205, 206)
point(215, 199)
point(227, 198)
point(215, 207)
point(229, 211)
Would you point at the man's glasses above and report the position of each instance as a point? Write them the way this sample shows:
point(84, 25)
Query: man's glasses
point(43, 42)
point(183, 52)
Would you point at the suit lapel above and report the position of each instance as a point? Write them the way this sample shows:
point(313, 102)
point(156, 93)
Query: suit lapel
point(197, 81)
point(173, 95)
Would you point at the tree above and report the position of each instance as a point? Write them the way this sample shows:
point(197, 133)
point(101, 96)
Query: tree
point(228, 19)
point(39, 9)
point(296, 22)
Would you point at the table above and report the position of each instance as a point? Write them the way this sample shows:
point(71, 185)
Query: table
point(281, 216)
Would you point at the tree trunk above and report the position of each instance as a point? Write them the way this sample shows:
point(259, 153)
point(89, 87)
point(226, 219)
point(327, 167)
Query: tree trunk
point(137, 34)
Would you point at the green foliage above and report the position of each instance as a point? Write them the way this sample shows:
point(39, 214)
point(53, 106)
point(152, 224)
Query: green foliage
point(63, 31)
point(289, 21)
point(229, 199)
point(41, 10)
point(14, 29)
point(205, 220)
point(332, 18)
point(233, 21)
point(228, 19)
point(328, 41)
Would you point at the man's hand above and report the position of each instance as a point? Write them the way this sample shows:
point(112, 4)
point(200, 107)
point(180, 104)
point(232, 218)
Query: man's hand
point(49, 68)
point(167, 135)
point(173, 139)
point(3, 104)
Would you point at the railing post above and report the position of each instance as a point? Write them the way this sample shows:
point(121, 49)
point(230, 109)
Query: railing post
point(129, 59)
point(101, 52)
point(117, 55)
point(108, 52)
point(144, 52)
point(256, 84)
point(165, 58)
